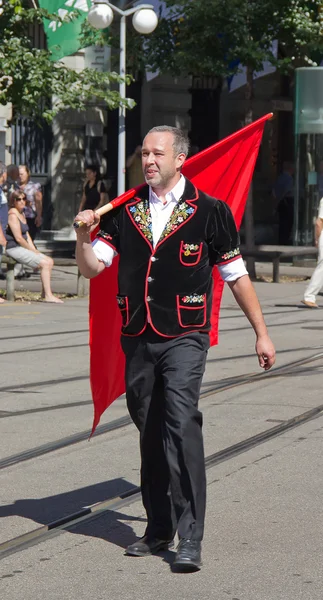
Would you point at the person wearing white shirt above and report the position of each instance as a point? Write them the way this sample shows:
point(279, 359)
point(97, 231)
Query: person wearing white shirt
point(3, 213)
point(316, 281)
point(168, 239)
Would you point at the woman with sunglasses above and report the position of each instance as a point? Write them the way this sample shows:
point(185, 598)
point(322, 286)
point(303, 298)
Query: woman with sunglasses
point(20, 245)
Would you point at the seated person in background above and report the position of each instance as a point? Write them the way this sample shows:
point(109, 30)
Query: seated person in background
point(3, 243)
point(34, 200)
point(94, 191)
point(20, 245)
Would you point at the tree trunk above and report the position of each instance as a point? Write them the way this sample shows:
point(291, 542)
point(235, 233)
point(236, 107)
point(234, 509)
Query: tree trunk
point(248, 220)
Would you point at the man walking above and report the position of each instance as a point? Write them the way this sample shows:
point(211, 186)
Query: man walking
point(316, 281)
point(168, 240)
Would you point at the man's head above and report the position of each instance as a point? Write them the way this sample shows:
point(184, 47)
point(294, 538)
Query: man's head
point(92, 172)
point(3, 173)
point(24, 174)
point(164, 152)
point(13, 172)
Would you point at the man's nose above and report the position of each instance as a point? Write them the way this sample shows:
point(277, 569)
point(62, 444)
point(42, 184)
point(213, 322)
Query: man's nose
point(150, 158)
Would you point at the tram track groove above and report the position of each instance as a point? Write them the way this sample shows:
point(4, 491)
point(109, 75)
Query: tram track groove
point(121, 422)
point(45, 532)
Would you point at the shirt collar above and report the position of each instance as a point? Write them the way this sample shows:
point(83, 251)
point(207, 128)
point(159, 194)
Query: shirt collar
point(173, 195)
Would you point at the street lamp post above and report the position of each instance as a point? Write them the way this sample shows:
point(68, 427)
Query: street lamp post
point(144, 21)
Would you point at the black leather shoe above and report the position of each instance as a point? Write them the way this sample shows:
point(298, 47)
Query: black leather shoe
point(188, 556)
point(148, 545)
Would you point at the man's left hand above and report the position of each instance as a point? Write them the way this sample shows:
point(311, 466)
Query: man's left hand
point(266, 352)
point(38, 221)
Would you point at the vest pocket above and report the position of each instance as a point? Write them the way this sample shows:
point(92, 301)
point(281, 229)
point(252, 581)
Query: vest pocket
point(190, 254)
point(191, 310)
point(124, 309)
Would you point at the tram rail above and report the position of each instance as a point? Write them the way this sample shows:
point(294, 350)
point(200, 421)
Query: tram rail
point(121, 422)
point(70, 522)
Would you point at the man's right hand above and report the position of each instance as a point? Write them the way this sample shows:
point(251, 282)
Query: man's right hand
point(90, 220)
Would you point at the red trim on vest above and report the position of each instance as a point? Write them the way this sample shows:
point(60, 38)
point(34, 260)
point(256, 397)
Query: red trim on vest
point(198, 253)
point(134, 222)
point(180, 306)
point(102, 239)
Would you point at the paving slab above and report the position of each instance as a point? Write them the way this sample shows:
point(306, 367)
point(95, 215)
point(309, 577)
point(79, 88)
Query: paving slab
point(263, 539)
point(247, 555)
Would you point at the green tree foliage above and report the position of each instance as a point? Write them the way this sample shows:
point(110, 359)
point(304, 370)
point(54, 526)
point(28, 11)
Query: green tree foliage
point(31, 81)
point(216, 37)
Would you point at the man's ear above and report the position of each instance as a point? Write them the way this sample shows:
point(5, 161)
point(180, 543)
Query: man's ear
point(180, 159)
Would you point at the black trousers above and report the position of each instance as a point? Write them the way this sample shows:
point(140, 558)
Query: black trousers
point(163, 380)
point(286, 220)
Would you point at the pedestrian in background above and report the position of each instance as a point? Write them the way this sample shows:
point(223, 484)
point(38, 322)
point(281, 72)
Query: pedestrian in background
point(3, 211)
point(21, 248)
point(283, 192)
point(12, 179)
point(34, 201)
point(316, 281)
point(3, 243)
point(94, 190)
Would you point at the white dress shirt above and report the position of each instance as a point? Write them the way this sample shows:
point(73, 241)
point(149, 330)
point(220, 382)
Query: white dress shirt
point(160, 213)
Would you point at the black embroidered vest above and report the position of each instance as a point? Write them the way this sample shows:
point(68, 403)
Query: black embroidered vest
point(170, 286)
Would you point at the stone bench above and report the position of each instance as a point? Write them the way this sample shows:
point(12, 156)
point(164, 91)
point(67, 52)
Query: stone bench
point(63, 262)
point(277, 253)
point(10, 276)
point(81, 281)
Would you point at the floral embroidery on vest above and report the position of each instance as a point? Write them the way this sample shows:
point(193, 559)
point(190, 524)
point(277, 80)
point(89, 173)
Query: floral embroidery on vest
point(104, 235)
point(188, 248)
point(231, 254)
point(193, 299)
point(181, 212)
point(140, 212)
point(121, 301)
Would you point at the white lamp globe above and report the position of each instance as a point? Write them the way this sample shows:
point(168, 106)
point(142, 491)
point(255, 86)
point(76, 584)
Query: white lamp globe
point(145, 20)
point(100, 16)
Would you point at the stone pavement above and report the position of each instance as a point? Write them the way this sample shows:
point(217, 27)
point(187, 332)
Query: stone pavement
point(263, 537)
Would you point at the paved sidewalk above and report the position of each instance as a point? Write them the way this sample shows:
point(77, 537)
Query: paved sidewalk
point(64, 281)
point(264, 524)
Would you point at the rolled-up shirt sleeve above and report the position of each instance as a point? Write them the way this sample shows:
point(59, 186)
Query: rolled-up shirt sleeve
point(103, 252)
point(106, 243)
point(232, 270)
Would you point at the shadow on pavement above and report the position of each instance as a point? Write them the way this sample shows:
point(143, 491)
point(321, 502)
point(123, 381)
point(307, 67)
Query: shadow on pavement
point(109, 526)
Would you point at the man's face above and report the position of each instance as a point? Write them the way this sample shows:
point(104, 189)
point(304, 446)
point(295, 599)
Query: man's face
point(23, 175)
point(159, 163)
point(3, 178)
point(90, 175)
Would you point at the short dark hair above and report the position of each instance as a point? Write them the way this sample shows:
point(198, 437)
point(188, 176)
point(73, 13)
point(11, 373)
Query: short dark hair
point(94, 168)
point(181, 142)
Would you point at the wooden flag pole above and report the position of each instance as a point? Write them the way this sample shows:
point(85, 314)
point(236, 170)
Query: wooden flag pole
point(113, 204)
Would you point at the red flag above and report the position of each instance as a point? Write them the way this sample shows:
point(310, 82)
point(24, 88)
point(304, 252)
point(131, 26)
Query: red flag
point(224, 171)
